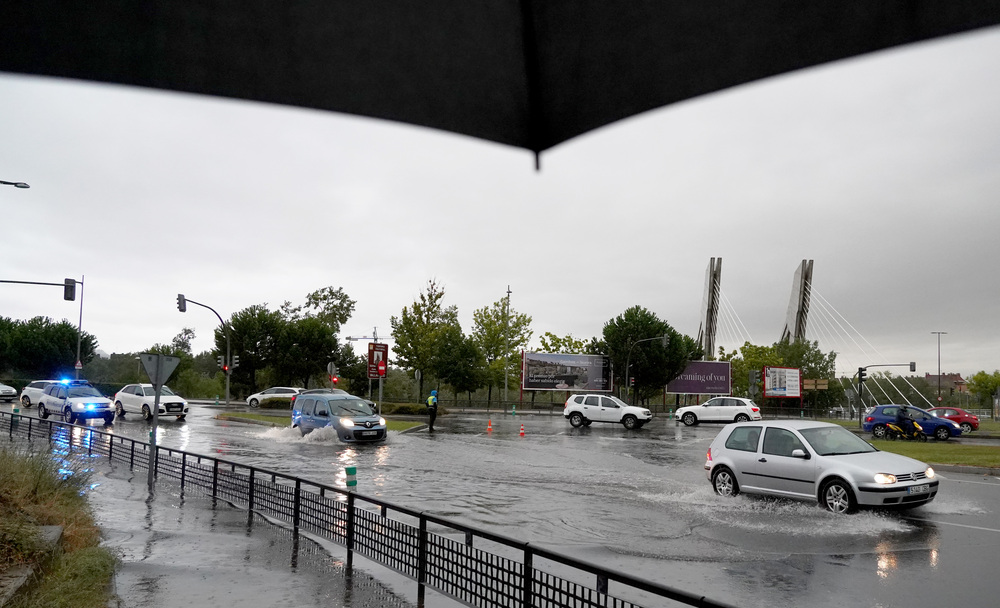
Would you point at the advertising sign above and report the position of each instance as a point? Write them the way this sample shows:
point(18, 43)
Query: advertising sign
point(703, 378)
point(782, 382)
point(377, 351)
point(563, 372)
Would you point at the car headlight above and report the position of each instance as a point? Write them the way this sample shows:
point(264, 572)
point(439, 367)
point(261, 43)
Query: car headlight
point(346, 422)
point(885, 478)
point(930, 473)
point(381, 421)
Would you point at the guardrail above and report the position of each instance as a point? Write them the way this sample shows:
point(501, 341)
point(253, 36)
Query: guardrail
point(475, 567)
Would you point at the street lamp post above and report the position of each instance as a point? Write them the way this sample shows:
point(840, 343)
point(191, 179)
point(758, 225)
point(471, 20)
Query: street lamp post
point(939, 333)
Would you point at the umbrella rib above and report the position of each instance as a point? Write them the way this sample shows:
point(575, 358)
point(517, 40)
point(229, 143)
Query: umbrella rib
point(533, 80)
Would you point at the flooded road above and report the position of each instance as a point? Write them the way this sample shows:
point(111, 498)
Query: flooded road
point(639, 501)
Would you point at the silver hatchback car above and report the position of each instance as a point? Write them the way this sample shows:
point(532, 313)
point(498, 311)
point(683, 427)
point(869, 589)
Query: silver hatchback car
point(815, 461)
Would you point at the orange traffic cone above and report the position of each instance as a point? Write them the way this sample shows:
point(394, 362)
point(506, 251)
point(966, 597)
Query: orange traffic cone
point(522, 430)
point(489, 426)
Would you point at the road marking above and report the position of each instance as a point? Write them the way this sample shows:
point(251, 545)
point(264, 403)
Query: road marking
point(948, 523)
point(982, 483)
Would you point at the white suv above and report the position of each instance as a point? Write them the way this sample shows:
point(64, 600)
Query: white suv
point(587, 409)
point(33, 392)
point(140, 398)
point(720, 409)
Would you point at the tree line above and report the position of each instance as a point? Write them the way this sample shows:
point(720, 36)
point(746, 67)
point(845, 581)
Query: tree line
point(293, 344)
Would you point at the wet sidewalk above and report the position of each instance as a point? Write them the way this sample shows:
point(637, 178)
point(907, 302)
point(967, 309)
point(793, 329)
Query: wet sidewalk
point(179, 551)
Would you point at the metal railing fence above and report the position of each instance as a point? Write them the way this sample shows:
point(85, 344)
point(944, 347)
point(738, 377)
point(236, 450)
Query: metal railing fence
point(476, 567)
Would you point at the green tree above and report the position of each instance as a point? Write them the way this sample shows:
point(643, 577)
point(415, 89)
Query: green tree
point(500, 333)
point(813, 364)
point(552, 343)
point(651, 363)
point(304, 347)
point(42, 348)
point(414, 331)
point(330, 305)
point(984, 387)
point(253, 336)
point(459, 362)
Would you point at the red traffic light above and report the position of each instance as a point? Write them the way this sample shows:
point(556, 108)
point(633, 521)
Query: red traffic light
point(225, 368)
point(334, 379)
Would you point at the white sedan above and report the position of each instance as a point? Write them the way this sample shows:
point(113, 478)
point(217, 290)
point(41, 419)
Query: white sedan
point(815, 461)
point(140, 399)
point(275, 392)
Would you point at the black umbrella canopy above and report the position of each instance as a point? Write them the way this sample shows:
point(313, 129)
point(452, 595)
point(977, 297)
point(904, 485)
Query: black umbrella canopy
point(529, 73)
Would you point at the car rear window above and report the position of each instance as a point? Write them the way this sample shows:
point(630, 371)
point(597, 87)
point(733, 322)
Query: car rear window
point(744, 438)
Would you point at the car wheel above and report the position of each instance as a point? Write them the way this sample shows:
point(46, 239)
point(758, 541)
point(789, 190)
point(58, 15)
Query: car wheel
point(69, 415)
point(836, 497)
point(254, 403)
point(941, 433)
point(689, 419)
point(878, 431)
point(576, 419)
point(146, 414)
point(109, 419)
point(724, 482)
point(966, 427)
point(120, 410)
point(630, 422)
point(742, 418)
point(25, 401)
point(42, 412)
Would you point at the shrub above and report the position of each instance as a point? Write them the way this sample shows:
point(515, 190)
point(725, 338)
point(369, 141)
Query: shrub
point(276, 403)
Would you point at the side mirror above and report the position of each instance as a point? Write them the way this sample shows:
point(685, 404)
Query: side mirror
point(798, 453)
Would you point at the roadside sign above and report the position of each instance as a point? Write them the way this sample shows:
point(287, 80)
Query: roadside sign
point(331, 369)
point(78, 365)
point(381, 368)
point(377, 352)
point(158, 374)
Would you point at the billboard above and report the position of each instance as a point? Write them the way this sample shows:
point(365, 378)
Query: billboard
point(562, 372)
point(703, 378)
point(377, 352)
point(782, 382)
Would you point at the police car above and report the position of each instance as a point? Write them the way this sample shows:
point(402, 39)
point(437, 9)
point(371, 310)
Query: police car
point(76, 401)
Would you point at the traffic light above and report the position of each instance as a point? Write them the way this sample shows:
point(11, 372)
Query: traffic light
point(182, 304)
point(862, 374)
point(69, 289)
point(225, 368)
point(236, 361)
point(335, 380)
point(221, 362)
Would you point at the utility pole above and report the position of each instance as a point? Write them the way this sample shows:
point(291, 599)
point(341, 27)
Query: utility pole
point(506, 332)
point(939, 333)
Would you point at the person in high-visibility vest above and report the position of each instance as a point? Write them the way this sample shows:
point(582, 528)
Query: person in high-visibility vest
point(432, 409)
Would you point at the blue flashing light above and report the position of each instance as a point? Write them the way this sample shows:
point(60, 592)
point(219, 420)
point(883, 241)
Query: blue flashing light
point(64, 381)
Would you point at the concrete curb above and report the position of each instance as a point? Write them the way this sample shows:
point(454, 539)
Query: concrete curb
point(19, 577)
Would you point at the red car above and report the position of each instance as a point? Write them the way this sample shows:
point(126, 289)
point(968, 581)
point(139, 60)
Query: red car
point(967, 421)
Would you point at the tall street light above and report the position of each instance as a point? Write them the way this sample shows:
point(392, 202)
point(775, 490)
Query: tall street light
point(15, 184)
point(939, 361)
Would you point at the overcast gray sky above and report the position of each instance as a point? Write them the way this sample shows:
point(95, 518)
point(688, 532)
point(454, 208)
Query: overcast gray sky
point(885, 170)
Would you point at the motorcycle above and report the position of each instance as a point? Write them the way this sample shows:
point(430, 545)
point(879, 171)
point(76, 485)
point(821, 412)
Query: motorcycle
point(895, 431)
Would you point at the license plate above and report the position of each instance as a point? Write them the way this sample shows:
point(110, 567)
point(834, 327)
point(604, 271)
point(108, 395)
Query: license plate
point(368, 433)
point(921, 489)
point(173, 408)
